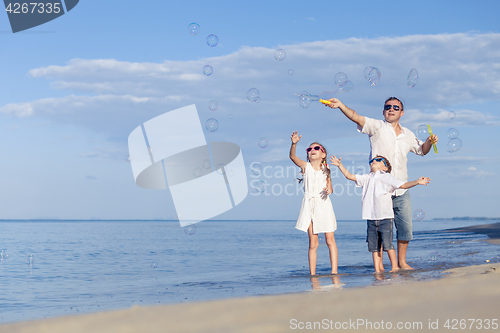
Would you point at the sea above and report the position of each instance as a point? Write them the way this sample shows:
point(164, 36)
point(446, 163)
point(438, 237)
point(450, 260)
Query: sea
point(57, 268)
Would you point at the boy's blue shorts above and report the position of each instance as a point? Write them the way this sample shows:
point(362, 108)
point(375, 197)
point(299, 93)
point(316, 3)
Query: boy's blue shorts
point(378, 233)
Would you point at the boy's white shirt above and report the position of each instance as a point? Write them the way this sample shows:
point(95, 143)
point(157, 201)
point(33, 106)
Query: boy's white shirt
point(383, 142)
point(376, 199)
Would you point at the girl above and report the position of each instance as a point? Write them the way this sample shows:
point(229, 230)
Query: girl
point(316, 213)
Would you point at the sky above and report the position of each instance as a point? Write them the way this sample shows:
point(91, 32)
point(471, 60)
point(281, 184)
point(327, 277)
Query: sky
point(73, 89)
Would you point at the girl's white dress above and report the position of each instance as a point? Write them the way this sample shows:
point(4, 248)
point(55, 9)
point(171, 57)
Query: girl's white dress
point(316, 205)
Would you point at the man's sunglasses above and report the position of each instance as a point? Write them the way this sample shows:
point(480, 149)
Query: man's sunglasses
point(315, 148)
point(378, 159)
point(388, 107)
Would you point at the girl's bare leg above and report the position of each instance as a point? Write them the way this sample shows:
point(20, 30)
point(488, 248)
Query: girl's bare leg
point(332, 246)
point(313, 247)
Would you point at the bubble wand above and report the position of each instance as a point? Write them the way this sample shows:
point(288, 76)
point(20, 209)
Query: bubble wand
point(433, 144)
point(305, 98)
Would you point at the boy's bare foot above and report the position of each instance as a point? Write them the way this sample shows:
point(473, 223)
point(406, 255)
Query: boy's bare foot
point(405, 266)
point(394, 270)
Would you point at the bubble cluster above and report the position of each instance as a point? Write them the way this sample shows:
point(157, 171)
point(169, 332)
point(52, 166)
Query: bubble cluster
point(304, 100)
point(263, 142)
point(256, 168)
point(253, 95)
point(212, 40)
point(194, 29)
point(452, 114)
point(290, 72)
point(452, 133)
point(208, 70)
point(212, 125)
point(340, 78)
point(213, 105)
point(190, 229)
point(434, 256)
point(422, 132)
point(453, 145)
point(279, 54)
point(260, 186)
point(372, 74)
point(419, 215)
point(197, 172)
point(412, 79)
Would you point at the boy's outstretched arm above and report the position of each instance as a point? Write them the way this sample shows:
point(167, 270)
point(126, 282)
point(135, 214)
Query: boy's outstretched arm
point(349, 113)
point(420, 181)
point(300, 163)
point(338, 162)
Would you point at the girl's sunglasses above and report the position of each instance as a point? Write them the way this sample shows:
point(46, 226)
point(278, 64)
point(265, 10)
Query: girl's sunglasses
point(378, 159)
point(315, 148)
point(388, 107)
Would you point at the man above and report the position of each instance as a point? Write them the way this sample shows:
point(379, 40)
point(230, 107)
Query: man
point(388, 138)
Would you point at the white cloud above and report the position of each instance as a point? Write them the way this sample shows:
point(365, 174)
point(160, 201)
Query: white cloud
point(113, 95)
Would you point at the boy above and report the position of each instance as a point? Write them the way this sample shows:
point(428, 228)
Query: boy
point(378, 187)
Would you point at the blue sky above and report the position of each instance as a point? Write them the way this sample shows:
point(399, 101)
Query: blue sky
point(74, 88)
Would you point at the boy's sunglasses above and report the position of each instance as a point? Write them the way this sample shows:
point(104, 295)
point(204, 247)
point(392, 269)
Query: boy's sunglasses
point(378, 159)
point(388, 107)
point(315, 148)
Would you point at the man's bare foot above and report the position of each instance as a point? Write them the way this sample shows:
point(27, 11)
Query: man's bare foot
point(394, 270)
point(405, 266)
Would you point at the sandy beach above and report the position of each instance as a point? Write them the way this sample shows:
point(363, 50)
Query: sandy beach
point(468, 298)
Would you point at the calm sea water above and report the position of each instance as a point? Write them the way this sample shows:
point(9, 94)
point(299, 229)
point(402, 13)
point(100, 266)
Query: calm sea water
point(90, 266)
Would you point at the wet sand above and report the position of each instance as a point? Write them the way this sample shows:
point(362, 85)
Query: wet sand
point(466, 297)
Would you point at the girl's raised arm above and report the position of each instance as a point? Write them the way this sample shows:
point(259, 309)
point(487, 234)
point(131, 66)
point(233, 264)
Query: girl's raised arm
point(300, 163)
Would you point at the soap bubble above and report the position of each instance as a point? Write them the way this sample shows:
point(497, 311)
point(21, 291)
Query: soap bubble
point(290, 72)
point(151, 151)
point(260, 186)
point(253, 94)
point(208, 70)
point(190, 229)
point(194, 29)
point(212, 125)
point(256, 168)
point(412, 79)
point(263, 142)
point(3, 255)
point(230, 116)
point(453, 145)
point(452, 114)
point(452, 133)
point(359, 171)
point(422, 132)
point(31, 259)
point(372, 74)
point(212, 40)
point(280, 54)
point(221, 168)
point(213, 105)
point(434, 256)
point(197, 172)
point(340, 78)
point(419, 215)
point(304, 101)
point(128, 159)
point(230, 173)
point(206, 164)
point(154, 264)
